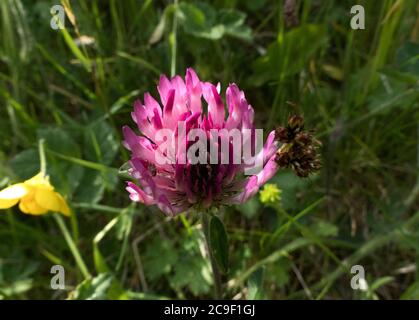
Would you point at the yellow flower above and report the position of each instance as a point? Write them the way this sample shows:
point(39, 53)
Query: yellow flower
point(270, 194)
point(36, 196)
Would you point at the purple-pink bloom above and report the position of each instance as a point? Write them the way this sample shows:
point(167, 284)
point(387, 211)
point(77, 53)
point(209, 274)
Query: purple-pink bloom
point(181, 186)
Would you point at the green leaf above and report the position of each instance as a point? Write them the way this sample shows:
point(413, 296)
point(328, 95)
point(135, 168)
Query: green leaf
point(99, 260)
point(412, 292)
point(199, 21)
point(407, 58)
point(159, 258)
point(279, 272)
point(202, 20)
point(58, 140)
point(93, 289)
point(16, 288)
point(255, 284)
point(26, 164)
point(290, 53)
point(16, 274)
point(233, 22)
point(219, 243)
point(191, 270)
point(100, 143)
point(91, 187)
point(65, 176)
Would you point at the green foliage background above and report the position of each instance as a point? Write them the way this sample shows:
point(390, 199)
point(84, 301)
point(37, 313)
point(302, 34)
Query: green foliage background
point(357, 88)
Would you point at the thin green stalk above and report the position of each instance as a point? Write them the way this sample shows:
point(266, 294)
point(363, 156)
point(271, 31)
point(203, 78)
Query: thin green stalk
point(173, 41)
point(218, 292)
point(42, 159)
point(60, 222)
point(72, 246)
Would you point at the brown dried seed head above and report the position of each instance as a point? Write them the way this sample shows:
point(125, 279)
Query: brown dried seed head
point(283, 159)
point(303, 138)
point(281, 134)
point(299, 151)
point(296, 123)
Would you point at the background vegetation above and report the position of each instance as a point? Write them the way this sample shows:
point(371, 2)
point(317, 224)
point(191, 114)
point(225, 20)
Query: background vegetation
point(74, 88)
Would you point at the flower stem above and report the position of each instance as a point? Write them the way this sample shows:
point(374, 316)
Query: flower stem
point(218, 293)
point(42, 159)
point(173, 40)
point(72, 246)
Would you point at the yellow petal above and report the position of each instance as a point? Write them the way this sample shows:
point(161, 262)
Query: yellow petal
point(31, 207)
point(11, 195)
point(15, 191)
point(48, 199)
point(64, 208)
point(28, 204)
point(41, 197)
point(39, 181)
point(5, 204)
